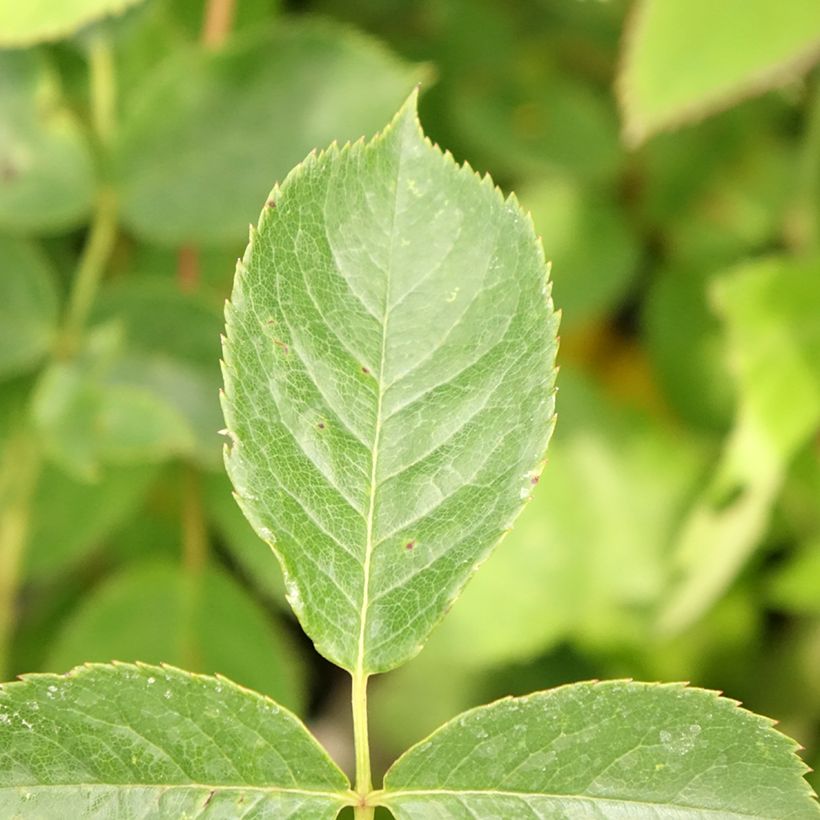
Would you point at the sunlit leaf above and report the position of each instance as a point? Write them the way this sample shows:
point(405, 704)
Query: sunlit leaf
point(770, 308)
point(23, 24)
point(684, 59)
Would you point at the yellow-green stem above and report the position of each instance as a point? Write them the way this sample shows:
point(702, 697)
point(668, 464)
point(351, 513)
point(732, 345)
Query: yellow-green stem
point(103, 231)
point(103, 89)
point(361, 744)
point(94, 258)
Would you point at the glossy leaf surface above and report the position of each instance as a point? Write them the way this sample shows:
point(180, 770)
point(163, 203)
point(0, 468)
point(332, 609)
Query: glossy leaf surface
point(389, 376)
point(595, 750)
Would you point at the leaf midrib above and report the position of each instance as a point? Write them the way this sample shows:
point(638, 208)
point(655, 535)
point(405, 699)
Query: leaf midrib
point(388, 794)
point(377, 432)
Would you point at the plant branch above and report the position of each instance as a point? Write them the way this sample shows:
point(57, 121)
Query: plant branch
point(361, 743)
point(103, 231)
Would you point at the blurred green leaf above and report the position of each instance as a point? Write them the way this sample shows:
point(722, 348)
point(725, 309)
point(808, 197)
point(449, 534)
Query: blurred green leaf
point(593, 250)
point(770, 308)
point(685, 344)
point(201, 148)
point(24, 24)
point(170, 349)
point(144, 740)
point(535, 121)
point(85, 423)
point(202, 620)
point(254, 557)
point(28, 306)
point(603, 750)
point(46, 170)
point(70, 518)
point(796, 586)
point(684, 59)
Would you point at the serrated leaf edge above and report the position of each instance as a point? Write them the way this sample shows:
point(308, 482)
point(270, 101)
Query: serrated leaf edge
point(347, 797)
point(333, 151)
point(382, 796)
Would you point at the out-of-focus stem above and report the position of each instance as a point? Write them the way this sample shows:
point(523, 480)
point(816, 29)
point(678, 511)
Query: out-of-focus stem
point(219, 16)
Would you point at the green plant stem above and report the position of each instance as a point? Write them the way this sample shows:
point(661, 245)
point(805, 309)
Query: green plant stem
point(103, 89)
point(103, 231)
point(361, 743)
point(95, 255)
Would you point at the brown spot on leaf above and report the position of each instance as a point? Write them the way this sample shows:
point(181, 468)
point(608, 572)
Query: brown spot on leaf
point(409, 545)
point(366, 370)
point(535, 479)
point(321, 425)
point(283, 345)
point(270, 203)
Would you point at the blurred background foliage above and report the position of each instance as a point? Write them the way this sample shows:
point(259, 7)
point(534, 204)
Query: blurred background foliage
point(669, 151)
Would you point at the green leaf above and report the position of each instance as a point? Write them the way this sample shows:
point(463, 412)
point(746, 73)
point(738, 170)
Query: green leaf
point(46, 168)
point(170, 349)
point(796, 586)
point(612, 749)
point(589, 276)
point(28, 306)
point(684, 59)
point(23, 24)
point(200, 147)
point(389, 375)
point(159, 614)
point(85, 423)
point(685, 346)
point(70, 518)
point(127, 741)
point(770, 307)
